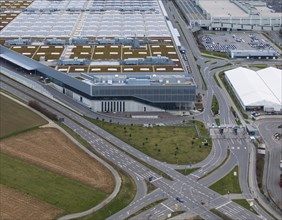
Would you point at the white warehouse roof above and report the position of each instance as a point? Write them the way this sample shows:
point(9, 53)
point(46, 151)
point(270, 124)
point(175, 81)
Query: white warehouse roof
point(272, 77)
point(261, 88)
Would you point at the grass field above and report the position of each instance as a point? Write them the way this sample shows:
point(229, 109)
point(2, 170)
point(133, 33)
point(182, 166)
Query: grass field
point(15, 118)
point(52, 150)
point(64, 193)
point(228, 184)
point(27, 206)
point(171, 144)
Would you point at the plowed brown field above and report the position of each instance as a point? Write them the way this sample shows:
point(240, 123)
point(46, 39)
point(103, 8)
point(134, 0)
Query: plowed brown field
point(18, 206)
point(51, 149)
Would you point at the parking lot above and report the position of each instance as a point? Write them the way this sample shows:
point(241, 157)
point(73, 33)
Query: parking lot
point(226, 41)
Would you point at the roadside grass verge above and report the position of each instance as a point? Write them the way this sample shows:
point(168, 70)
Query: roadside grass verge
point(203, 54)
point(204, 84)
point(123, 199)
point(150, 187)
point(231, 94)
point(220, 214)
point(259, 171)
point(259, 66)
point(171, 144)
point(225, 159)
point(261, 206)
point(215, 105)
point(270, 39)
point(216, 80)
point(228, 184)
point(176, 213)
point(244, 203)
point(187, 171)
point(67, 194)
point(212, 54)
point(153, 204)
point(217, 67)
point(197, 217)
point(127, 190)
point(15, 118)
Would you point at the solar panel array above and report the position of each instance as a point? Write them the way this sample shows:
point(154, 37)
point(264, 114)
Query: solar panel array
point(114, 24)
point(93, 18)
point(58, 5)
point(41, 25)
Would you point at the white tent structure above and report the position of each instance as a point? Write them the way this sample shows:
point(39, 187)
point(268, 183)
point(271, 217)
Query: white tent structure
point(259, 90)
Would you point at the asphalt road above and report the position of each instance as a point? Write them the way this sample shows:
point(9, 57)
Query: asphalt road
point(267, 128)
point(109, 146)
point(198, 198)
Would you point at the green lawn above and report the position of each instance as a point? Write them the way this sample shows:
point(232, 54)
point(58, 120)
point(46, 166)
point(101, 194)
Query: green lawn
point(15, 118)
point(171, 144)
point(70, 195)
point(229, 183)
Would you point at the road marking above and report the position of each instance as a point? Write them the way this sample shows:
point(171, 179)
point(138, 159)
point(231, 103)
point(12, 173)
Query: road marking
point(141, 177)
point(194, 175)
point(167, 207)
point(223, 205)
point(156, 179)
point(238, 148)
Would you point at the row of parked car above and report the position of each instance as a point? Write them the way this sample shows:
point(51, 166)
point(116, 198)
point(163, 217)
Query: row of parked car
point(220, 48)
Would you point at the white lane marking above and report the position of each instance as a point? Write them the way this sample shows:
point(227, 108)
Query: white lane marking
point(194, 175)
point(223, 205)
point(141, 177)
point(167, 207)
point(156, 179)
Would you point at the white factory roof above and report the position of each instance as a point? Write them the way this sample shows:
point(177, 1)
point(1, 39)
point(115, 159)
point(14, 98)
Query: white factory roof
point(257, 88)
point(222, 8)
point(272, 77)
